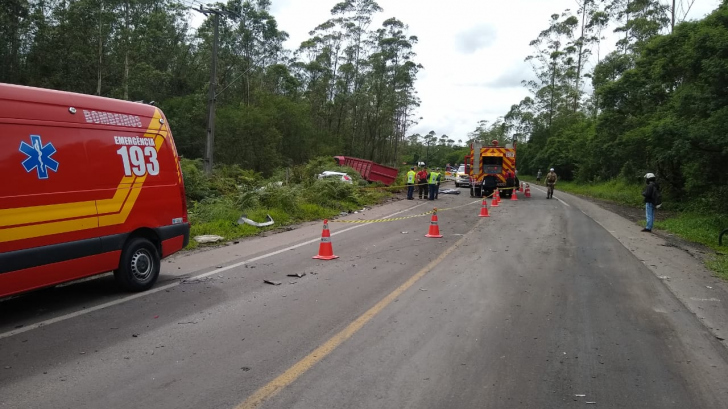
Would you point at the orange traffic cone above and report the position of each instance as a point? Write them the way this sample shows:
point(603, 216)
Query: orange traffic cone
point(326, 251)
point(528, 190)
point(494, 200)
point(434, 229)
point(497, 196)
point(514, 195)
point(520, 187)
point(484, 209)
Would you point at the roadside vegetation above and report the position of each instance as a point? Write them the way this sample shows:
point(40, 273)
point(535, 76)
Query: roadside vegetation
point(290, 196)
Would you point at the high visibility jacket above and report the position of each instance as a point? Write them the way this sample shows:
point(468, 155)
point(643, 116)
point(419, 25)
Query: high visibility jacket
point(433, 178)
point(411, 177)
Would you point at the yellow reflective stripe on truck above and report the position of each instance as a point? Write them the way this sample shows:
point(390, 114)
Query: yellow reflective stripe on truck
point(53, 219)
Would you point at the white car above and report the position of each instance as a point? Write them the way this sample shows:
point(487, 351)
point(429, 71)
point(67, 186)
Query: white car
point(335, 175)
point(462, 178)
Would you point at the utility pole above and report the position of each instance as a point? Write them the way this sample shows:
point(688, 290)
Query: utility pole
point(211, 101)
point(210, 145)
point(672, 22)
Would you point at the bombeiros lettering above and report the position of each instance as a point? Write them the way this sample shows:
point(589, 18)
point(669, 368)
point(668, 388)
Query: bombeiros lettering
point(108, 118)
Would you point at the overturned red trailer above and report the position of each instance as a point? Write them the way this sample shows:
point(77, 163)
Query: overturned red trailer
point(370, 171)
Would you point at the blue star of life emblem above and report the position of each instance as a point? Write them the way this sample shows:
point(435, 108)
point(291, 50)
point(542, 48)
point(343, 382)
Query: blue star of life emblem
point(39, 156)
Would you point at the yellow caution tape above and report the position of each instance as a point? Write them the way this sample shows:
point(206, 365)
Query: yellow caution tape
point(394, 187)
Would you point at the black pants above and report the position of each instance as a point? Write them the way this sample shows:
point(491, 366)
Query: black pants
point(422, 189)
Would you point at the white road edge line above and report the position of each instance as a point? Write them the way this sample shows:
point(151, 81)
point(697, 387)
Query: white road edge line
point(176, 283)
point(567, 205)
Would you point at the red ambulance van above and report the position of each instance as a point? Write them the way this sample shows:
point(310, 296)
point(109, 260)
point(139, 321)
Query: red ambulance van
point(87, 185)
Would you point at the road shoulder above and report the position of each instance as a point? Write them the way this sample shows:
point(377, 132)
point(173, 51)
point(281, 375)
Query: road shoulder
point(679, 265)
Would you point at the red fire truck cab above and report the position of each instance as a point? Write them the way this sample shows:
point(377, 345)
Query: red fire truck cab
point(89, 185)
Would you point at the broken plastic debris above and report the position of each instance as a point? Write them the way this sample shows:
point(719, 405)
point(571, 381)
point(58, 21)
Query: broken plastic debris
point(580, 395)
point(244, 220)
point(272, 282)
point(196, 280)
point(208, 238)
point(299, 275)
point(405, 232)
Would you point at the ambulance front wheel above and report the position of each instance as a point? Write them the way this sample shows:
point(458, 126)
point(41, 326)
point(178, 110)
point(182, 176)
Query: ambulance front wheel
point(139, 265)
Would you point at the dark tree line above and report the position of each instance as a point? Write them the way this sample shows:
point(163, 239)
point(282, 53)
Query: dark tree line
point(659, 103)
point(348, 89)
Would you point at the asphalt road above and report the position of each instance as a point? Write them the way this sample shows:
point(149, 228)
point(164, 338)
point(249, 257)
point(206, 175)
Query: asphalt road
point(537, 306)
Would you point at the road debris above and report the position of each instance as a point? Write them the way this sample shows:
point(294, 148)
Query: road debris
point(208, 238)
point(244, 220)
point(196, 280)
point(299, 275)
point(580, 395)
point(405, 232)
point(272, 282)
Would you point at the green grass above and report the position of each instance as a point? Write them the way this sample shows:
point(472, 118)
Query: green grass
point(216, 203)
point(698, 227)
point(704, 229)
point(615, 191)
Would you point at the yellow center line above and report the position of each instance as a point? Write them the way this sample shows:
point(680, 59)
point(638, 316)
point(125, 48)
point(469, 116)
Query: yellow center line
point(305, 364)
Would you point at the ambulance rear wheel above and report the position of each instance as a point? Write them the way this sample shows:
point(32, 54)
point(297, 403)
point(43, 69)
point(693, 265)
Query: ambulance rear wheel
point(139, 265)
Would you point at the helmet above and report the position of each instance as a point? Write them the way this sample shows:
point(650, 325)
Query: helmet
point(552, 169)
point(650, 176)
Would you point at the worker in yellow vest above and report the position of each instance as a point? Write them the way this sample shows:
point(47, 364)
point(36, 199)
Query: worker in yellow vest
point(411, 183)
point(432, 181)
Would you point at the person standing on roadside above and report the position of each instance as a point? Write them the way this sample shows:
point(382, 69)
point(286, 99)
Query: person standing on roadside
point(432, 182)
point(422, 182)
point(551, 179)
point(538, 176)
point(652, 199)
point(411, 183)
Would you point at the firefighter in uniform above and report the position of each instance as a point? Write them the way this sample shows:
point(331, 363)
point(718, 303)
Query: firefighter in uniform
point(411, 183)
point(432, 181)
point(422, 182)
point(550, 182)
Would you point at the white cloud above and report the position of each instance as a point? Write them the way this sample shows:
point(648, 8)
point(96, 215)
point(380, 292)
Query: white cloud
point(475, 38)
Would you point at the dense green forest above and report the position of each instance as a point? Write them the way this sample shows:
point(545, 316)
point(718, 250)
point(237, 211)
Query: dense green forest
point(347, 89)
point(658, 102)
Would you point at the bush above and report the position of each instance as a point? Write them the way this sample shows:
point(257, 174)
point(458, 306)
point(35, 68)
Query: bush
point(217, 202)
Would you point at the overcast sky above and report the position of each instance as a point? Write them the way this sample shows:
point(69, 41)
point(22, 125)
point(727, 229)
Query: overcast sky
point(473, 51)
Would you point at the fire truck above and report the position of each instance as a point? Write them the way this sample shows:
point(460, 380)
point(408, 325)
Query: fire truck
point(489, 169)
